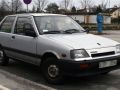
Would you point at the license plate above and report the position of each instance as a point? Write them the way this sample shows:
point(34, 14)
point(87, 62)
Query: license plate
point(107, 64)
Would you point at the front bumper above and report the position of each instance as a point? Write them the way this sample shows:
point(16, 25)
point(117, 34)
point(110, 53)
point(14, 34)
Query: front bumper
point(72, 68)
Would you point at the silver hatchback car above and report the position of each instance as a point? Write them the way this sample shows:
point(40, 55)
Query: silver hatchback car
point(57, 44)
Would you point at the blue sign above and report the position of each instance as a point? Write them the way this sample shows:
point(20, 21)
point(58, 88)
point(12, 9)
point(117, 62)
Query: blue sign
point(27, 1)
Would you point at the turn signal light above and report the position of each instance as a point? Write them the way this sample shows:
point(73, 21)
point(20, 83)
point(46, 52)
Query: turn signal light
point(84, 66)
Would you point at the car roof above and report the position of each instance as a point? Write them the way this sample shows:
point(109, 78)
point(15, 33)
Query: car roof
point(37, 14)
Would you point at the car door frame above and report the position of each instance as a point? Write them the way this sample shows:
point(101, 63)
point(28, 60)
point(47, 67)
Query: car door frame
point(36, 57)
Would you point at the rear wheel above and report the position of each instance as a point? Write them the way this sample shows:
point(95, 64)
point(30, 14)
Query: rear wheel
point(4, 60)
point(51, 71)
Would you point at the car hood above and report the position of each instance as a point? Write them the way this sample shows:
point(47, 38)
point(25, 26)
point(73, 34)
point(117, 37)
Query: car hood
point(78, 41)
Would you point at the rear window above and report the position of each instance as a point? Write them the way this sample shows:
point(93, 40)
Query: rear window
point(7, 24)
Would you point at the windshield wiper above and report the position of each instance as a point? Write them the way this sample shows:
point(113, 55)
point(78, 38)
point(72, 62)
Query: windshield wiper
point(72, 31)
point(52, 32)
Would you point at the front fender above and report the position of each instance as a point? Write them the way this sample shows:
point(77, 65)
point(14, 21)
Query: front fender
point(52, 52)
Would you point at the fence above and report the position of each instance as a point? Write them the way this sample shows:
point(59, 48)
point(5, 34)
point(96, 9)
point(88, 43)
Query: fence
point(105, 26)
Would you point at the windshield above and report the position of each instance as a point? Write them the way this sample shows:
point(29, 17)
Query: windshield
point(57, 24)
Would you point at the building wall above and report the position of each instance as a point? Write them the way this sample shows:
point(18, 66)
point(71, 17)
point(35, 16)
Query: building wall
point(91, 19)
point(115, 14)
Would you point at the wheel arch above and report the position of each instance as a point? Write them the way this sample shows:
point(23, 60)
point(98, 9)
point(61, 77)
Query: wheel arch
point(0, 46)
point(48, 54)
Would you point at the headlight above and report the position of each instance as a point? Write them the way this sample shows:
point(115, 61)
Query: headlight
point(78, 54)
point(118, 48)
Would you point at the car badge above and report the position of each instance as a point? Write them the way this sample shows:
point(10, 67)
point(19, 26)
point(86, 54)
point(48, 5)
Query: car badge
point(98, 44)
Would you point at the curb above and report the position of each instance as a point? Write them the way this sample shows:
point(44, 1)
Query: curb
point(23, 80)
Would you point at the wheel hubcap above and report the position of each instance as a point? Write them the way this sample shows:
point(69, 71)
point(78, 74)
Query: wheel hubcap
point(1, 55)
point(53, 71)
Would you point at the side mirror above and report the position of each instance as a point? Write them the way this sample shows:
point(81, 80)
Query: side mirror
point(77, 21)
point(87, 30)
point(29, 30)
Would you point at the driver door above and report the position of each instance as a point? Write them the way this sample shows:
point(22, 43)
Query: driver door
point(23, 46)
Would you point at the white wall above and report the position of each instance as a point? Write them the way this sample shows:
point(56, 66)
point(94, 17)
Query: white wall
point(107, 20)
point(90, 18)
point(80, 18)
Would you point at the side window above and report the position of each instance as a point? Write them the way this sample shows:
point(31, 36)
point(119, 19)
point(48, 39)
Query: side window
point(21, 24)
point(7, 24)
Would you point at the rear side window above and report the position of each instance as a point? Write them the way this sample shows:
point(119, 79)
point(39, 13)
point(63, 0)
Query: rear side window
point(7, 24)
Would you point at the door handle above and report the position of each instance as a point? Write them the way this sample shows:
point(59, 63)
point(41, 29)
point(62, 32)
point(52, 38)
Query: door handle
point(13, 37)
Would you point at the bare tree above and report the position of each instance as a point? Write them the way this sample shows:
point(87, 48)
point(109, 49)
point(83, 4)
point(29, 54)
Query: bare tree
point(41, 4)
point(104, 4)
point(16, 5)
point(65, 4)
point(86, 4)
point(33, 9)
point(12, 6)
point(4, 10)
point(4, 5)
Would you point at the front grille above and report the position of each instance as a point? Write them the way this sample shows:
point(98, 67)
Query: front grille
point(103, 54)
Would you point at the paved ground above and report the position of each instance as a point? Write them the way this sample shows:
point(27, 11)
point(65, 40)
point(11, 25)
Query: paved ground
point(28, 77)
point(21, 76)
point(115, 35)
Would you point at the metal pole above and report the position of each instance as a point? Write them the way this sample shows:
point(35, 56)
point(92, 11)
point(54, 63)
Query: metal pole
point(12, 6)
point(109, 3)
point(27, 8)
point(109, 7)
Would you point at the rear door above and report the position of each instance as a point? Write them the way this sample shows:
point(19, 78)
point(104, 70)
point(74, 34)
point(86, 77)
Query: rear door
point(6, 32)
point(23, 47)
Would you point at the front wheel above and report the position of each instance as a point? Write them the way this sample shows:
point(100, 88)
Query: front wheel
point(105, 73)
point(4, 60)
point(51, 71)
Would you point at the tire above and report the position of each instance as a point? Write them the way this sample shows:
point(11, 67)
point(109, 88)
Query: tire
point(105, 73)
point(4, 60)
point(51, 71)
